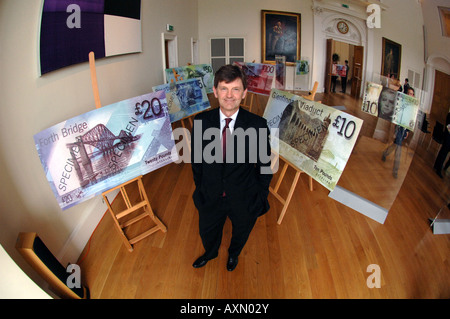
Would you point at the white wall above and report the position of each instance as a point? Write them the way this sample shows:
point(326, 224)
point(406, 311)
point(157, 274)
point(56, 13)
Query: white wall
point(437, 44)
point(30, 103)
point(402, 22)
point(17, 285)
point(242, 18)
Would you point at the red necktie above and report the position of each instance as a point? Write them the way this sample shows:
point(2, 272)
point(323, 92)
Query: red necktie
point(224, 138)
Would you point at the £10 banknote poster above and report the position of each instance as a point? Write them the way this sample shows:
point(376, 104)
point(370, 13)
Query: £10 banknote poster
point(184, 98)
point(316, 138)
point(99, 150)
point(391, 105)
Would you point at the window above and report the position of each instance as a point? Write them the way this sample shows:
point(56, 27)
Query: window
point(226, 51)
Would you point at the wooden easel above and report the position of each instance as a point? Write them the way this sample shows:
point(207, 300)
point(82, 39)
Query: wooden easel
point(143, 203)
point(249, 99)
point(285, 201)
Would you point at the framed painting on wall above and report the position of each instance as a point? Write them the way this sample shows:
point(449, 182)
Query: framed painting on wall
point(391, 58)
point(280, 35)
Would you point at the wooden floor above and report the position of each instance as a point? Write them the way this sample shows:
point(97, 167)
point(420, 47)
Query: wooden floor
point(321, 250)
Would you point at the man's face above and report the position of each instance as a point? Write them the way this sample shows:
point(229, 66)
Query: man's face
point(230, 95)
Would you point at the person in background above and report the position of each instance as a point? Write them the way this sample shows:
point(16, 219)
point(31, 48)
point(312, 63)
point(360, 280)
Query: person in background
point(445, 148)
point(406, 86)
point(334, 76)
point(344, 78)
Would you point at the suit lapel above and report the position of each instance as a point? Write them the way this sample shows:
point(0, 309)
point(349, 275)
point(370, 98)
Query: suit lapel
point(241, 119)
point(214, 118)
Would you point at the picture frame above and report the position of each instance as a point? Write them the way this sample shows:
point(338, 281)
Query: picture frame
point(391, 58)
point(444, 14)
point(280, 35)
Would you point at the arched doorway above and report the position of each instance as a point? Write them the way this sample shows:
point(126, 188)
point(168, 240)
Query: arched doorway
point(333, 24)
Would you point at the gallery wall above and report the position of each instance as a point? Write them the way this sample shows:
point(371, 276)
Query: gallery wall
point(243, 18)
point(30, 104)
point(236, 18)
point(437, 44)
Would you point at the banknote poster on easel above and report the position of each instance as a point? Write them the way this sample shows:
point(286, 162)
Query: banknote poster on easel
point(302, 75)
point(184, 98)
point(280, 72)
point(202, 71)
point(391, 105)
point(259, 76)
point(101, 149)
point(316, 138)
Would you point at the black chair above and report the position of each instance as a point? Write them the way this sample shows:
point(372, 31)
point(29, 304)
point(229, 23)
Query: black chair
point(424, 127)
point(438, 134)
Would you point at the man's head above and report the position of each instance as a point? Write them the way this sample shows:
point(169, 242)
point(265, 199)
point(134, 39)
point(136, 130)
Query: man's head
point(230, 87)
point(228, 73)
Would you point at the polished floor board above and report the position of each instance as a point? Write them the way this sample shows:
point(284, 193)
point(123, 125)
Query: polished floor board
point(321, 250)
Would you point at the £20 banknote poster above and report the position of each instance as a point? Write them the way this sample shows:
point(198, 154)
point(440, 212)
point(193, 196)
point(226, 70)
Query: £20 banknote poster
point(96, 151)
point(316, 138)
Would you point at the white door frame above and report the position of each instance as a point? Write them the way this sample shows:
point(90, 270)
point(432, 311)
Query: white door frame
point(172, 51)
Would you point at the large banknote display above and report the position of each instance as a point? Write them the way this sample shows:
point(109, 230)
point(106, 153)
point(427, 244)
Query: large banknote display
point(391, 105)
point(405, 112)
point(316, 138)
point(202, 71)
point(371, 95)
point(96, 151)
point(184, 98)
point(302, 67)
point(280, 72)
point(259, 76)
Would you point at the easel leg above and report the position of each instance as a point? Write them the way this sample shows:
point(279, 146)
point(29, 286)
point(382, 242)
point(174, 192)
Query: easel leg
point(117, 225)
point(288, 199)
point(149, 209)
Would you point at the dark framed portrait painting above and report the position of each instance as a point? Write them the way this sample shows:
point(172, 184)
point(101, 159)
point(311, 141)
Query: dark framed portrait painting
point(280, 35)
point(391, 58)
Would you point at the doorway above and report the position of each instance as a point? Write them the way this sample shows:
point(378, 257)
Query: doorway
point(344, 52)
point(169, 52)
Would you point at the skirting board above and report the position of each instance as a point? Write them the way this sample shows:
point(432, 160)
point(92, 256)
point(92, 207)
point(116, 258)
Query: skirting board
point(441, 226)
point(359, 204)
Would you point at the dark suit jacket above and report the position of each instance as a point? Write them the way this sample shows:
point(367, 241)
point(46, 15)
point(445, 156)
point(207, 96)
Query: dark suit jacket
point(245, 187)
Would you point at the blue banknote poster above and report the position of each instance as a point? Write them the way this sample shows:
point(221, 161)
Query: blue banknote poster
point(96, 151)
point(184, 98)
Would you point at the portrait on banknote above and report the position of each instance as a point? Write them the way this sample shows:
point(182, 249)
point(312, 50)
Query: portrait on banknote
point(184, 98)
point(280, 36)
point(204, 72)
point(316, 138)
point(96, 151)
point(386, 103)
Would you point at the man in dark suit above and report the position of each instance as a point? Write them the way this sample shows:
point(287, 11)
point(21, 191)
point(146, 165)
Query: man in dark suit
point(237, 185)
